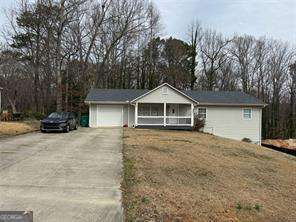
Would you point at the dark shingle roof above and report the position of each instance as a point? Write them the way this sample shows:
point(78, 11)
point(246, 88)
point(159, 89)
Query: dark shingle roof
point(223, 97)
point(203, 97)
point(114, 95)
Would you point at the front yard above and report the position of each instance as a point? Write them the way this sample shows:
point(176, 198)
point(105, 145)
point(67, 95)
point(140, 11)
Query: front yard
point(16, 128)
point(188, 176)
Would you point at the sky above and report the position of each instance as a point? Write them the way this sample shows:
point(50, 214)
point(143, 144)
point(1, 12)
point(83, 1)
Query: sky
point(272, 18)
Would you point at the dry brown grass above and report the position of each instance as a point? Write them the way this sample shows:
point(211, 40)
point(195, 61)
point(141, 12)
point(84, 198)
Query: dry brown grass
point(189, 176)
point(16, 128)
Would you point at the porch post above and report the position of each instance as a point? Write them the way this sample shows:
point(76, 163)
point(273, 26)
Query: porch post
point(136, 114)
point(192, 114)
point(164, 113)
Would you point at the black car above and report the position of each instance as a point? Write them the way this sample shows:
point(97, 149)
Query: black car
point(59, 121)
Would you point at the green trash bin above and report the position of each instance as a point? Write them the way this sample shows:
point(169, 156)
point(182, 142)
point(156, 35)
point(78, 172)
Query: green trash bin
point(84, 120)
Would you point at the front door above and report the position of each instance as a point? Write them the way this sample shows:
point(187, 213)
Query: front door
point(171, 112)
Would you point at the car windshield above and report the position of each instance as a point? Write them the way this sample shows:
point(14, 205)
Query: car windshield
point(58, 115)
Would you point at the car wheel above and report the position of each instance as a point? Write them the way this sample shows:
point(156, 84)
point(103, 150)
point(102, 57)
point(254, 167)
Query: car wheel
point(67, 130)
point(43, 131)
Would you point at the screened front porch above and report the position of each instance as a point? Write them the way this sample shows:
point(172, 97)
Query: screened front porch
point(163, 114)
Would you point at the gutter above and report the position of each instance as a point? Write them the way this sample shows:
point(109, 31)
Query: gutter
point(198, 104)
point(233, 104)
point(106, 102)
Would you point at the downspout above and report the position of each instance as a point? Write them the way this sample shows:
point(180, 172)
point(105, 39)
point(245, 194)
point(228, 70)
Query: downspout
point(0, 103)
point(128, 105)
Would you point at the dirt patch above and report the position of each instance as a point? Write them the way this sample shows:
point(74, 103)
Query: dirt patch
point(178, 140)
point(189, 176)
point(16, 128)
point(287, 144)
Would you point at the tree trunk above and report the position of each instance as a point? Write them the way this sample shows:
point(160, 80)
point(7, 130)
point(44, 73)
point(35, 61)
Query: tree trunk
point(59, 91)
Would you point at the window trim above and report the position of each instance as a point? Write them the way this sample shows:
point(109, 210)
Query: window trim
point(206, 113)
point(251, 113)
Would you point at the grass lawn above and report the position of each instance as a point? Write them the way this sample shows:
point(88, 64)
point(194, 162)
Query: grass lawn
point(16, 128)
point(189, 176)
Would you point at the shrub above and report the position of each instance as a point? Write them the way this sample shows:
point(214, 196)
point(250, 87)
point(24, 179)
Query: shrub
point(247, 140)
point(34, 115)
point(38, 115)
point(198, 124)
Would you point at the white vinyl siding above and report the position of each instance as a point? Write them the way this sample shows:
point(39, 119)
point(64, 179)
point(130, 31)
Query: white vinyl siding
point(125, 115)
point(170, 96)
point(228, 122)
point(93, 115)
point(131, 119)
point(165, 90)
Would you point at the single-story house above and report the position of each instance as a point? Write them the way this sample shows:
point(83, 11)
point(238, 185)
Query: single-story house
point(230, 114)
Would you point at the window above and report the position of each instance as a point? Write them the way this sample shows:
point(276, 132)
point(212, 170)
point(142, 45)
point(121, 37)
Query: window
point(202, 113)
point(247, 113)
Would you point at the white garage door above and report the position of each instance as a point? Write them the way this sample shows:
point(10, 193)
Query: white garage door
point(110, 115)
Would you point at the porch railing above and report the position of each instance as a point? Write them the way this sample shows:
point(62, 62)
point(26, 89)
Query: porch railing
point(165, 120)
point(150, 120)
point(178, 120)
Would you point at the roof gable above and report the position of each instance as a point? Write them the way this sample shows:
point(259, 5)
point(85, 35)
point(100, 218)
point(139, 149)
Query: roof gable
point(172, 95)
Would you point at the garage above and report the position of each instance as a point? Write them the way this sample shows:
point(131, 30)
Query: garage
point(106, 115)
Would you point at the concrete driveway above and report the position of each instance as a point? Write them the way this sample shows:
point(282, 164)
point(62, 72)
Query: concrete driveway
point(63, 177)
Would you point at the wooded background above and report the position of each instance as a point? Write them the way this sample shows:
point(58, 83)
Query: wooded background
point(56, 50)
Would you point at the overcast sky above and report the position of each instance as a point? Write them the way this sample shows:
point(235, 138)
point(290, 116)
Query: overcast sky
point(273, 18)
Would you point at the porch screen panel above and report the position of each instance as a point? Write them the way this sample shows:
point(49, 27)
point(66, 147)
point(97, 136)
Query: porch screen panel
point(153, 109)
point(144, 109)
point(150, 121)
point(185, 110)
point(157, 109)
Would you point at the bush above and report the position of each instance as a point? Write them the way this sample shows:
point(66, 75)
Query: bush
point(247, 140)
point(34, 115)
point(38, 115)
point(198, 124)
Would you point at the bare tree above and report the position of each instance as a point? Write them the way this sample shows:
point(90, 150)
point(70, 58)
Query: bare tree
point(278, 62)
point(195, 38)
point(213, 52)
point(243, 52)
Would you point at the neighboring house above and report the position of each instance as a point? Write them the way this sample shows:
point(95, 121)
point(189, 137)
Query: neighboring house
point(230, 114)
